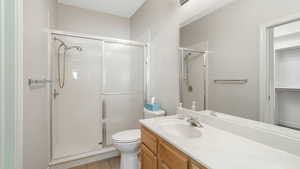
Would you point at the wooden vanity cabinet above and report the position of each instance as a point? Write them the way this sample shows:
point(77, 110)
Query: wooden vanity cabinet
point(156, 153)
point(150, 140)
point(171, 158)
point(148, 159)
point(195, 165)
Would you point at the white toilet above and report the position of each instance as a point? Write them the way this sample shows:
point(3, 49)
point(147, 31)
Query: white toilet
point(127, 142)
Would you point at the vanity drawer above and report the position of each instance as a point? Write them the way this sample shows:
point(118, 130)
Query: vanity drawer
point(170, 158)
point(149, 140)
point(195, 165)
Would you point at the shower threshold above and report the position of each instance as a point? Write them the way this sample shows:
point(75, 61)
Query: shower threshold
point(84, 158)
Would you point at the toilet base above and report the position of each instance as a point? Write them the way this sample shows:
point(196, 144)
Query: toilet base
point(129, 160)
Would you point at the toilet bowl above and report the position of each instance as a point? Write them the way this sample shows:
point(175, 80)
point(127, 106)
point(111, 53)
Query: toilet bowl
point(127, 142)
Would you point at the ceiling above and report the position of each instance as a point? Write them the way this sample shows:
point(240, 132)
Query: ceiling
point(123, 8)
point(195, 9)
point(191, 11)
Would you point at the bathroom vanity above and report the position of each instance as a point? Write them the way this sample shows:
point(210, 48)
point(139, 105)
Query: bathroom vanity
point(156, 153)
point(171, 143)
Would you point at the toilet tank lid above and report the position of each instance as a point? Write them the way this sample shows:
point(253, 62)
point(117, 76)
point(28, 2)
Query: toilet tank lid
point(160, 112)
point(127, 136)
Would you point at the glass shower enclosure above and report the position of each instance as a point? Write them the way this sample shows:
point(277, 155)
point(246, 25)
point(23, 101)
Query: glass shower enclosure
point(193, 78)
point(98, 89)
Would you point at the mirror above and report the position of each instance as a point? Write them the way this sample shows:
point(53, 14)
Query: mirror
point(226, 66)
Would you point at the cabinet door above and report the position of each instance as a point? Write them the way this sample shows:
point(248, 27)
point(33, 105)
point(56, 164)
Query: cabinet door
point(195, 165)
point(162, 165)
point(148, 159)
point(149, 140)
point(171, 158)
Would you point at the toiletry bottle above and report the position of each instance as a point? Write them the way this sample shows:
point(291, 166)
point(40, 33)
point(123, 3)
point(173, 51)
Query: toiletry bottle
point(194, 106)
point(153, 100)
point(180, 113)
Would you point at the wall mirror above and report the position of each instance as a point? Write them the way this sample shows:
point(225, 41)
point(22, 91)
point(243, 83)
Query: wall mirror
point(232, 62)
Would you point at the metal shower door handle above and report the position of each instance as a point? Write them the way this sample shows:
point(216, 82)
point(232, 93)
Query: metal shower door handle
point(104, 135)
point(104, 129)
point(103, 110)
point(55, 93)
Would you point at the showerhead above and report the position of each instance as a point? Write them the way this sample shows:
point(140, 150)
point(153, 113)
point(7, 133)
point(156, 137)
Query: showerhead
point(62, 44)
point(61, 57)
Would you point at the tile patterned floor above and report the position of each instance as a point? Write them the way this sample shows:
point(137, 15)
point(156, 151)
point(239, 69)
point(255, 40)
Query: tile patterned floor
point(113, 163)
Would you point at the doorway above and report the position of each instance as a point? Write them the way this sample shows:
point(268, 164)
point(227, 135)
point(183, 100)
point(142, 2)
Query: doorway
point(279, 72)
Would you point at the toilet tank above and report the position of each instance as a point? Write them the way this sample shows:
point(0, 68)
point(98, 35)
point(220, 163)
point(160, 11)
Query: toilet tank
point(152, 114)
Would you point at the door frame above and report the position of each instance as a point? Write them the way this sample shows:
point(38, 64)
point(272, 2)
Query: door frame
point(266, 96)
point(11, 105)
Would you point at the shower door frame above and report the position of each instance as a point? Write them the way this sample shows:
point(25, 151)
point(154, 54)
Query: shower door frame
point(181, 67)
point(102, 40)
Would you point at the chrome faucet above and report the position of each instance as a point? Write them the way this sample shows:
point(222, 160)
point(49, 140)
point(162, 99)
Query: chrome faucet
point(194, 122)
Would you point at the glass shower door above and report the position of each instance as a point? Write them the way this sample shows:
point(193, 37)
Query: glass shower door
point(193, 79)
point(76, 115)
point(123, 88)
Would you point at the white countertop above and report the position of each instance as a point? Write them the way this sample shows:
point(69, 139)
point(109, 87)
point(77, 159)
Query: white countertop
point(219, 149)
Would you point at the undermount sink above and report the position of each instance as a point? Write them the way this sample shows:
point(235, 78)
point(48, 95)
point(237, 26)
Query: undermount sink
point(181, 130)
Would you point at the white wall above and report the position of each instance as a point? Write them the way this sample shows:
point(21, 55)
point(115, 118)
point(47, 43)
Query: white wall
point(86, 21)
point(232, 35)
point(157, 21)
point(38, 16)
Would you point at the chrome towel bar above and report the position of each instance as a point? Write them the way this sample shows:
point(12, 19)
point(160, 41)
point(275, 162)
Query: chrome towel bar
point(231, 81)
point(32, 82)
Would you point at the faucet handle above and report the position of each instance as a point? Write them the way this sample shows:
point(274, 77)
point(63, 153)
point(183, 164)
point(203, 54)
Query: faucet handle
point(194, 121)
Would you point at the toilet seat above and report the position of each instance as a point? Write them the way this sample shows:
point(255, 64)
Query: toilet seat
point(127, 136)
